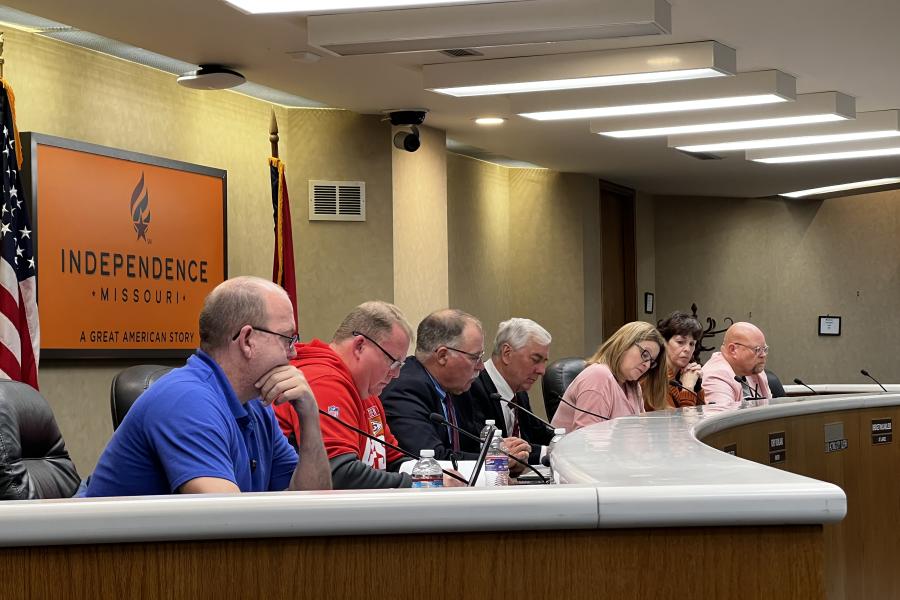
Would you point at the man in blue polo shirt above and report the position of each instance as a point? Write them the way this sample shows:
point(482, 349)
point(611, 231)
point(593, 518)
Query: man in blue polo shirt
point(207, 427)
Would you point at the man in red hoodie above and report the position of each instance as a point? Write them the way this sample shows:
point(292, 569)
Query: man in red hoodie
point(346, 376)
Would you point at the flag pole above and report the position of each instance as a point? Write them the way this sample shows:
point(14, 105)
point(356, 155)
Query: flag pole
point(273, 123)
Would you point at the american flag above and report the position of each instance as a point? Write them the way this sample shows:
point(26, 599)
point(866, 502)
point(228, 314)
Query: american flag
point(19, 327)
point(283, 265)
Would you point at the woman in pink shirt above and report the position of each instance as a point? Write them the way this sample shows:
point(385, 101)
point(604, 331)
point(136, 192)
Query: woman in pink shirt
point(608, 387)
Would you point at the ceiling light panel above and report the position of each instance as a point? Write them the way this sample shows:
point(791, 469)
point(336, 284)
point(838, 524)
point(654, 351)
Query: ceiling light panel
point(486, 25)
point(258, 7)
point(808, 109)
point(843, 187)
point(581, 70)
point(745, 89)
point(839, 151)
point(866, 126)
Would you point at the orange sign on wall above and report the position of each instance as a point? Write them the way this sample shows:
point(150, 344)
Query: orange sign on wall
point(128, 246)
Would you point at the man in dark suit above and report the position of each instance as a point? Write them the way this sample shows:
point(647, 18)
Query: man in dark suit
point(521, 351)
point(449, 352)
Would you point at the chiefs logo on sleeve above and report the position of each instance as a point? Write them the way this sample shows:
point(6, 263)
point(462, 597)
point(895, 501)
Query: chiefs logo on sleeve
point(375, 454)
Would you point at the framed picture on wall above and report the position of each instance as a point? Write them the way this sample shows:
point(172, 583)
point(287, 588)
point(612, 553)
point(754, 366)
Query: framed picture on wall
point(127, 247)
point(829, 325)
point(648, 303)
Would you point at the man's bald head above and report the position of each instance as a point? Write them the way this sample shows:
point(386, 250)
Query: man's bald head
point(744, 347)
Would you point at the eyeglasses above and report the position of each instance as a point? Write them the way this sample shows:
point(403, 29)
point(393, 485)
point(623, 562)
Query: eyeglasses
point(396, 363)
point(646, 356)
point(476, 358)
point(291, 339)
point(757, 350)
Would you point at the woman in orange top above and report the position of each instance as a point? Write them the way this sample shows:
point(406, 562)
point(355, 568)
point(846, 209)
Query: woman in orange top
point(682, 333)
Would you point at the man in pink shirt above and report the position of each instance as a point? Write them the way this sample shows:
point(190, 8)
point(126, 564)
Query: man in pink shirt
point(743, 354)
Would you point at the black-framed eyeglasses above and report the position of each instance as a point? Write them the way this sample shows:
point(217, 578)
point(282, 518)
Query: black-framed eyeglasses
point(291, 339)
point(757, 350)
point(476, 358)
point(646, 356)
point(396, 363)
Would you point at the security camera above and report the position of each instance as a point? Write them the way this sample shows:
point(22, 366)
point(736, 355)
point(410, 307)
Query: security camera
point(407, 117)
point(408, 140)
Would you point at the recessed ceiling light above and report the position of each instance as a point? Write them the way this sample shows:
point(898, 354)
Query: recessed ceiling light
point(784, 142)
point(866, 126)
point(257, 7)
point(211, 77)
point(846, 154)
point(577, 83)
point(842, 187)
point(490, 121)
point(723, 126)
point(821, 107)
point(654, 108)
point(581, 70)
point(836, 151)
point(745, 89)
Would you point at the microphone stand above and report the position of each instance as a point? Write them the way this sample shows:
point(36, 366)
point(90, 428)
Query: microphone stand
point(587, 412)
point(388, 444)
point(866, 373)
point(441, 420)
point(496, 396)
point(798, 382)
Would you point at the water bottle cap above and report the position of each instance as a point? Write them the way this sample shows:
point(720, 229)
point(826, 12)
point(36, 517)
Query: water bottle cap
point(426, 453)
point(490, 422)
point(559, 431)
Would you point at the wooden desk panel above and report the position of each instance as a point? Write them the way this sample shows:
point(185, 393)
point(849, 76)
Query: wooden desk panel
point(677, 563)
point(862, 551)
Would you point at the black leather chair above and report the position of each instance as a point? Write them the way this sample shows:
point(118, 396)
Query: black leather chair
point(559, 374)
point(128, 385)
point(34, 462)
point(775, 385)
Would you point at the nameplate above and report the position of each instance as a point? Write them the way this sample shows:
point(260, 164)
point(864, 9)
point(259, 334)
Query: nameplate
point(834, 437)
point(777, 447)
point(882, 431)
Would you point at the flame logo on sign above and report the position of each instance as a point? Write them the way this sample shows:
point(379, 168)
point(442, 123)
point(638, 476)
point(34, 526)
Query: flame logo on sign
point(140, 210)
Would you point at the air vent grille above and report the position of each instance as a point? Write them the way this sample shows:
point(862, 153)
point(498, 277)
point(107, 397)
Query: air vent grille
point(460, 52)
point(337, 200)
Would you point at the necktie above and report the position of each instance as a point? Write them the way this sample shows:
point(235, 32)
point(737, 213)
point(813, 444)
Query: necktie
point(515, 413)
point(451, 416)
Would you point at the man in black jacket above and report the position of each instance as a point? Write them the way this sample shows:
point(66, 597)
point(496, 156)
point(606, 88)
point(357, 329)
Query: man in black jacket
point(449, 352)
point(521, 351)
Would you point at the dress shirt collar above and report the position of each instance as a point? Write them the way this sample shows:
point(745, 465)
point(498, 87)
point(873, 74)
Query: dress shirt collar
point(502, 387)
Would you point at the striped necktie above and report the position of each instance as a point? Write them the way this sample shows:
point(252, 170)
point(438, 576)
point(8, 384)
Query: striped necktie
point(451, 416)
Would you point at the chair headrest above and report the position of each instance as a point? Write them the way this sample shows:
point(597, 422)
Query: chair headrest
point(34, 462)
point(128, 385)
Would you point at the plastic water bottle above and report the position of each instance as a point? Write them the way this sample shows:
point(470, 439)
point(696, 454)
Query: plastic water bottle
point(558, 434)
point(487, 427)
point(496, 464)
point(427, 472)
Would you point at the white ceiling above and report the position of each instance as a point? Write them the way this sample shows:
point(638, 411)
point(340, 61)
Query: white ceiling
point(829, 45)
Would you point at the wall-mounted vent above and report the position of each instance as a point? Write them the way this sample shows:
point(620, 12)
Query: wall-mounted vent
point(700, 155)
point(337, 200)
point(460, 52)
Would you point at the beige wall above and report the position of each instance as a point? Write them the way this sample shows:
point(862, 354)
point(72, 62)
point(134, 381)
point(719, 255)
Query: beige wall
point(645, 254)
point(781, 264)
point(420, 226)
point(339, 264)
point(74, 93)
point(523, 243)
point(441, 230)
point(478, 231)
